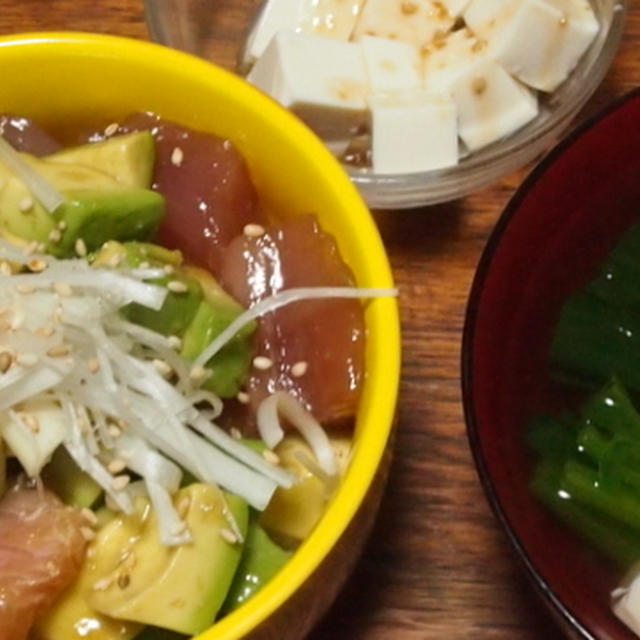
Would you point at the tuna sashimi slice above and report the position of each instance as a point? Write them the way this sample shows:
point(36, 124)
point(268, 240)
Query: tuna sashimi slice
point(316, 346)
point(41, 552)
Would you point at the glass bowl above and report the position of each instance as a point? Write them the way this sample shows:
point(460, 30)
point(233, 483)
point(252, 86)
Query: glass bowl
point(216, 31)
point(558, 227)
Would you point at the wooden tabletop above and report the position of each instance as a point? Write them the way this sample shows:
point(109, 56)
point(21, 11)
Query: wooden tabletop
point(437, 566)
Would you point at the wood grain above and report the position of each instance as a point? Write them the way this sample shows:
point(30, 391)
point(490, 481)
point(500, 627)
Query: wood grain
point(437, 566)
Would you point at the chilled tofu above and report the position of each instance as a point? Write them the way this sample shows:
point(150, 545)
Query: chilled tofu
point(413, 131)
point(452, 56)
point(274, 15)
point(391, 65)
point(491, 104)
point(538, 41)
point(417, 22)
point(331, 18)
point(323, 81)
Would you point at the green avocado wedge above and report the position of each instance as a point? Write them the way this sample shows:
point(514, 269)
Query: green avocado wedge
point(127, 158)
point(177, 588)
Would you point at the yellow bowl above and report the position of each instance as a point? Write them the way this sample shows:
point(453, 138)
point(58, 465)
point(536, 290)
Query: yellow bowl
point(61, 77)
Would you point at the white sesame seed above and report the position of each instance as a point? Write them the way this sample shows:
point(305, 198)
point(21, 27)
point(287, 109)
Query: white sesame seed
point(47, 331)
point(243, 397)
point(175, 342)
point(6, 360)
point(87, 533)
point(103, 584)
point(168, 269)
point(198, 372)
point(63, 289)
point(299, 369)
point(93, 365)
point(123, 424)
point(253, 230)
point(120, 482)
point(271, 456)
point(262, 363)
point(89, 516)
point(62, 225)
point(26, 204)
point(5, 268)
point(228, 536)
point(59, 350)
point(55, 235)
point(144, 265)
point(115, 260)
point(235, 433)
point(111, 129)
point(25, 288)
point(116, 466)
point(37, 265)
point(26, 359)
point(177, 156)
point(177, 286)
point(162, 367)
point(114, 432)
point(41, 247)
point(81, 247)
point(31, 422)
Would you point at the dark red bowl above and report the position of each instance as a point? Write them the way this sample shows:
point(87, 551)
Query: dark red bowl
point(553, 234)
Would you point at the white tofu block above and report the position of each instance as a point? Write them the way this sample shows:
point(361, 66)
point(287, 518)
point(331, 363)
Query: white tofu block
point(626, 603)
point(391, 65)
point(538, 41)
point(455, 7)
point(417, 22)
point(412, 132)
point(274, 15)
point(491, 104)
point(444, 63)
point(330, 18)
point(322, 80)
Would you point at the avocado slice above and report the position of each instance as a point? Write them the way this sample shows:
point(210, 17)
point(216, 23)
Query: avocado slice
point(178, 309)
point(71, 618)
point(261, 560)
point(127, 158)
point(292, 513)
point(229, 367)
point(177, 588)
point(72, 485)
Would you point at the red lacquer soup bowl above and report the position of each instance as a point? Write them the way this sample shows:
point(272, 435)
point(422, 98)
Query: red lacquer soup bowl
point(558, 227)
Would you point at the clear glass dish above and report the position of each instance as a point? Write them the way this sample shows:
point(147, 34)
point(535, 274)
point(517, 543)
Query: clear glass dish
point(216, 30)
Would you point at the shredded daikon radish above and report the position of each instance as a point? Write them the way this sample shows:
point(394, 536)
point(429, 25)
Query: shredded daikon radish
point(49, 197)
point(282, 299)
point(268, 419)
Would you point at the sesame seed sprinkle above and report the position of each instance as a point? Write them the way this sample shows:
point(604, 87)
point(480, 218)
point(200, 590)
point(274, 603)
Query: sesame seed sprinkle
point(25, 288)
point(37, 265)
point(5, 268)
point(299, 369)
point(168, 269)
point(6, 360)
point(120, 482)
point(62, 225)
point(26, 204)
point(55, 235)
point(114, 431)
point(198, 373)
point(26, 359)
point(235, 433)
point(103, 584)
point(87, 533)
point(62, 289)
point(89, 516)
point(162, 367)
point(111, 129)
point(253, 230)
point(81, 247)
point(262, 363)
point(177, 156)
point(116, 466)
point(271, 456)
point(59, 350)
point(93, 365)
point(46, 331)
point(243, 397)
point(177, 286)
point(175, 342)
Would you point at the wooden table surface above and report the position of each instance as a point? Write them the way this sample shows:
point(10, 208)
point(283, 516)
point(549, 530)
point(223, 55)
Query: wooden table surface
point(437, 566)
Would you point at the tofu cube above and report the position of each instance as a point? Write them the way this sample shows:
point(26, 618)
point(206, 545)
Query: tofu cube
point(330, 18)
point(446, 59)
point(413, 131)
point(274, 16)
point(417, 22)
point(538, 41)
point(491, 104)
point(322, 80)
point(391, 65)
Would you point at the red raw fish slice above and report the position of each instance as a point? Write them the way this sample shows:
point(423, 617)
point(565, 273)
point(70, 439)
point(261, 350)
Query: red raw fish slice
point(24, 135)
point(328, 335)
point(206, 183)
point(41, 552)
